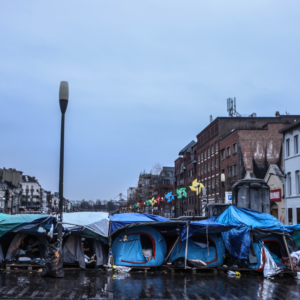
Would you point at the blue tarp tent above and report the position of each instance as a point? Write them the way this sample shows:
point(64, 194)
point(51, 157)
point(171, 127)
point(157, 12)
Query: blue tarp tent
point(128, 247)
point(203, 242)
point(238, 240)
point(121, 220)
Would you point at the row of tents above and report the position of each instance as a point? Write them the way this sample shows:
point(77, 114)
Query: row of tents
point(238, 236)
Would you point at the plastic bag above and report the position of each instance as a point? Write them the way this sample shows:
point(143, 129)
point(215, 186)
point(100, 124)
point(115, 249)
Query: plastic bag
point(270, 268)
point(54, 262)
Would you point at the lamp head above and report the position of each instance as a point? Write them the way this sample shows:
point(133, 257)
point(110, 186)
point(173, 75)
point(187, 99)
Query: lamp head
point(222, 177)
point(63, 96)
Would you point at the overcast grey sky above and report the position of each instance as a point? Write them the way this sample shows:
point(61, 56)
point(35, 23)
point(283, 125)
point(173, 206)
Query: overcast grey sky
point(144, 76)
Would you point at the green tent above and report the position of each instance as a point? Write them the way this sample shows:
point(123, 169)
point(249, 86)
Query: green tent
point(16, 220)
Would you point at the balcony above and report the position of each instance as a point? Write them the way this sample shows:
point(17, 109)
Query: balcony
point(182, 167)
point(194, 159)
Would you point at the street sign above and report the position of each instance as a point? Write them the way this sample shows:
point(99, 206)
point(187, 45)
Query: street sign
point(228, 197)
point(275, 195)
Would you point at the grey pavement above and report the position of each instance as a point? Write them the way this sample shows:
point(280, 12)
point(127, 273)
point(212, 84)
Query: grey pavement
point(92, 285)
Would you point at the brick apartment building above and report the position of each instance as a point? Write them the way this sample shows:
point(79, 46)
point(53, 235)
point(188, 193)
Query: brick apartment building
point(233, 144)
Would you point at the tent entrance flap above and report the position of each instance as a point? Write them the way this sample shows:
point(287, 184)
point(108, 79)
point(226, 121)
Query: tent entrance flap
point(132, 249)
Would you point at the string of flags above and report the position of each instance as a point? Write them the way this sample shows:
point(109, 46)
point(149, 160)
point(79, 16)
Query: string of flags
point(181, 193)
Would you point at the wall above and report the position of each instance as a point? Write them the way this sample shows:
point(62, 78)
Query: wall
point(291, 165)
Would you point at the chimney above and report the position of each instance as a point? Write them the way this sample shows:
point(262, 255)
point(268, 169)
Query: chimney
point(277, 114)
point(210, 119)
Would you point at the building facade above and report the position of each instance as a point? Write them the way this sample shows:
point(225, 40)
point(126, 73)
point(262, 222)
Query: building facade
point(234, 145)
point(275, 180)
point(31, 194)
point(291, 154)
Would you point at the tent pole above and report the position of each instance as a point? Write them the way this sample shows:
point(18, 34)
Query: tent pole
point(288, 252)
point(109, 244)
point(186, 243)
point(172, 249)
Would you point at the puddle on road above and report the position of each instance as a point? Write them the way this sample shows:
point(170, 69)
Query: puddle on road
point(93, 284)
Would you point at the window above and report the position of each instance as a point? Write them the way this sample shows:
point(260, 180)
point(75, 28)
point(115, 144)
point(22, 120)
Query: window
point(229, 172)
point(212, 164)
point(216, 147)
point(287, 147)
point(208, 168)
point(290, 216)
point(223, 154)
point(234, 148)
point(297, 177)
point(298, 215)
point(217, 163)
point(201, 156)
point(167, 181)
point(198, 157)
point(228, 151)
point(289, 184)
point(213, 184)
point(217, 183)
point(208, 152)
point(296, 146)
point(202, 170)
point(205, 169)
point(204, 154)
point(212, 149)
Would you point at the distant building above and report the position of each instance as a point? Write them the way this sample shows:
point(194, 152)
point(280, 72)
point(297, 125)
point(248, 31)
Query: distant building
point(31, 196)
point(291, 150)
point(275, 180)
point(10, 190)
point(164, 184)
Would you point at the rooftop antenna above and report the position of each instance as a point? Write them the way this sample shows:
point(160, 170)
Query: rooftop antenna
point(231, 108)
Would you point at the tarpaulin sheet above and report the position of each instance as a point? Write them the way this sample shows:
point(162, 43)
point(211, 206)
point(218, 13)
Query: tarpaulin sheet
point(96, 222)
point(18, 220)
point(247, 217)
point(238, 241)
point(121, 220)
point(198, 227)
point(4, 217)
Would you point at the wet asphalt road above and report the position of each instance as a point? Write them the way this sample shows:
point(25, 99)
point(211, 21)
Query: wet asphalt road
point(90, 285)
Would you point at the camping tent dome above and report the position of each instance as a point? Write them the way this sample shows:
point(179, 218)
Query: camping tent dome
point(129, 246)
point(211, 253)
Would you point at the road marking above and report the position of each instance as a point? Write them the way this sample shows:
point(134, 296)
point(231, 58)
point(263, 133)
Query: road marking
point(185, 296)
point(84, 296)
point(172, 295)
point(72, 295)
point(59, 294)
point(198, 297)
point(12, 290)
point(34, 294)
point(23, 292)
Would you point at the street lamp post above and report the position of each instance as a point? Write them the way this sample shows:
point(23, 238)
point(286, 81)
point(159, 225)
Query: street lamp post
point(63, 103)
point(27, 191)
point(223, 187)
point(31, 198)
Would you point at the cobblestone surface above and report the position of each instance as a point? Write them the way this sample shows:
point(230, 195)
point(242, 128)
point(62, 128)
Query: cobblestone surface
point(90, 285)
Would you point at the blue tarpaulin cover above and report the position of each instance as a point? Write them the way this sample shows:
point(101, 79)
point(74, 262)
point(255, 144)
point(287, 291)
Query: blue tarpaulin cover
point(247, 217)
point(237, 240)
point(121, 220)
point(198, 227)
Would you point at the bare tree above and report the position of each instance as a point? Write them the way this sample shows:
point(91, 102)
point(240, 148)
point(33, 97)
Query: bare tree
point(156, 169)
